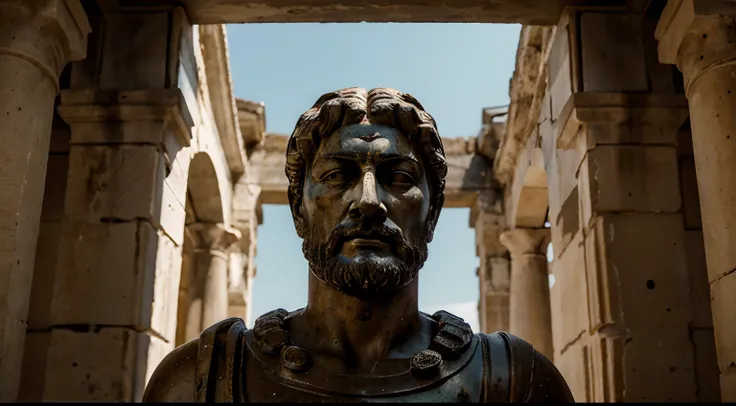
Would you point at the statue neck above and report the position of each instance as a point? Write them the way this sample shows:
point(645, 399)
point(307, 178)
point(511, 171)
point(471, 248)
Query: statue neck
point(361, 331)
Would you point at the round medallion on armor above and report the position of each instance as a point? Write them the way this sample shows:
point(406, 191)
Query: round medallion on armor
point(425, 364)
point(295, 358)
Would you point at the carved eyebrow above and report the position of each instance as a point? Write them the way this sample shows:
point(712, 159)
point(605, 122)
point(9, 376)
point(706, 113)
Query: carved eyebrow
point(382, 157)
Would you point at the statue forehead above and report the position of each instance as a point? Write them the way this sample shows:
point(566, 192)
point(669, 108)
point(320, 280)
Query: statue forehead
point(361, 140)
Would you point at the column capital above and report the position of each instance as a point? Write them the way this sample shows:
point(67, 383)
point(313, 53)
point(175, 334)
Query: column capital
point(46, 33)
point(526, 241)
point(215, 237)
point(696, 35)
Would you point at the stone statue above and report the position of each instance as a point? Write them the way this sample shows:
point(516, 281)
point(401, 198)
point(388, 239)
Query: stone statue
point(366, 177)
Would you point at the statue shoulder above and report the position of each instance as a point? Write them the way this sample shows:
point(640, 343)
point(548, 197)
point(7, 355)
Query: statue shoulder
point(513, 371)
point(173, 379)
point(184, 374)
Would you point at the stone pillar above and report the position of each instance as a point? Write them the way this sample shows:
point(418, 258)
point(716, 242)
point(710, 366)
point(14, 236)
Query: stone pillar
point(529, 305)
point(113, 313)
point(700, 41)
point(622, 310)
point(493, 273)
point(209, 288)
point(120, 251)
point(37, 39)
point(247, 216)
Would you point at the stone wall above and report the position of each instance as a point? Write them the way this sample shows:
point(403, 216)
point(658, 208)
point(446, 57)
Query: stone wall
point(141, 160)
point(630, 313)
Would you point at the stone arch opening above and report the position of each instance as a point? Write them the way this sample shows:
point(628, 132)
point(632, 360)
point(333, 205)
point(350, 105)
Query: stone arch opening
point(203, 222)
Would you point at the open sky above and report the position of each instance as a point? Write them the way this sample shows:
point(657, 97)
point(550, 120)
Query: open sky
point(454, 70)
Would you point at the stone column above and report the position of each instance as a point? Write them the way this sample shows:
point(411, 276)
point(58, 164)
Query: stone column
point(529, 304)
point(209, 290)
point(247, 216)
point(493, 273)
point(700, 41)
point(37, 39)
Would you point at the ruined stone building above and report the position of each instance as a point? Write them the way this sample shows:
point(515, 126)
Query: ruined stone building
point(131, 181)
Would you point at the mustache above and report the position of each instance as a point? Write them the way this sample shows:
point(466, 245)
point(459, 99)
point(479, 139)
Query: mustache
point(343, 233)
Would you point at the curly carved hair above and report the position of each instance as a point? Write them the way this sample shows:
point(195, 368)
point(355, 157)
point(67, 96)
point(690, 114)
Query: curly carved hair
point(355, 105)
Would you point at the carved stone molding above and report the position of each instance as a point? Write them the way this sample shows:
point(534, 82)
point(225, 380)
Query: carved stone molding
point(95, 106)
point(526, 241)
point(665, 110)
point(213, 40)
point(528, 87)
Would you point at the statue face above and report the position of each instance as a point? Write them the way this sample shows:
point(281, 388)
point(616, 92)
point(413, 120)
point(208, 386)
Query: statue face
point(365, 206)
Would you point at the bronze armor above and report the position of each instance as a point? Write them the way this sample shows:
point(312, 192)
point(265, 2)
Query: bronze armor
point(232, 367)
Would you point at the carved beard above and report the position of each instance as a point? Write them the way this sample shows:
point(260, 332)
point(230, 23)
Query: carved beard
point(367, 273)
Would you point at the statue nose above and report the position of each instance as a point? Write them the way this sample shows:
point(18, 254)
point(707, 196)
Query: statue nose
point(369, 205)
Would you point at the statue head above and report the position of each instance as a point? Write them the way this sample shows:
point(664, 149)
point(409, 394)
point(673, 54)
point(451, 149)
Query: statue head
point(366, 176)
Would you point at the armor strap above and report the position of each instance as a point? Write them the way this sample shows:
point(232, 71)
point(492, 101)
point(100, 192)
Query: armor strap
point(508, 365)
point(220, 368)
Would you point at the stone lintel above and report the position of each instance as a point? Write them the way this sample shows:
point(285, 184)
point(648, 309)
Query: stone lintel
point(533, 12)
point(582, 108)
point(526, 241)
point(91, 106)
point(214, 237)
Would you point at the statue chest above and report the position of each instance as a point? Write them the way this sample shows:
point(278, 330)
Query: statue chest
point(461, 386)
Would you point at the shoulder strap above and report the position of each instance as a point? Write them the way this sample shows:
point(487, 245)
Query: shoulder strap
point(220, 363)
point(508, 365)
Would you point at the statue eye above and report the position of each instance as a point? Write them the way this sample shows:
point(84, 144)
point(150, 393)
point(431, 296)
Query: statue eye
point(336, 176)
point(402, 178)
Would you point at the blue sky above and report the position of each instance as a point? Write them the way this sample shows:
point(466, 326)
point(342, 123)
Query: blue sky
point(453, 69)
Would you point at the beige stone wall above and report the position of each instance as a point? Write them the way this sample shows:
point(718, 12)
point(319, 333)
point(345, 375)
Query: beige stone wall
point(136, 165)
point(630, 315)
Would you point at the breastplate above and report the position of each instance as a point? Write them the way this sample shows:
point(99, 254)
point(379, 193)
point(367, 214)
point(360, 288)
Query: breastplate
point(231, 367)
point(458, 381)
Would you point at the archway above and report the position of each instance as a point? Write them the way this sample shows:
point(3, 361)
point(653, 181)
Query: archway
point(203, 215)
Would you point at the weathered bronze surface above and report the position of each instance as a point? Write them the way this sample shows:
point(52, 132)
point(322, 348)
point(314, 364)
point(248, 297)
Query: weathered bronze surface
point(366, 173)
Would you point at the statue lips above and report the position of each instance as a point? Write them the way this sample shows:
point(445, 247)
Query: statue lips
point(354, 241)
point(354, 246)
